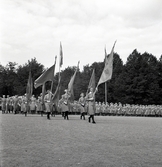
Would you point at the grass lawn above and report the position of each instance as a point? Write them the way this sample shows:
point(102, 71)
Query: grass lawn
point(34, 141)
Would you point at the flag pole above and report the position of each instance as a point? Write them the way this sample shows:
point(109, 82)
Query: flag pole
point(105, 82)
point(43, 92)
point(53, 75)
point(60, 58)
point(59, 68)
point(59, 71)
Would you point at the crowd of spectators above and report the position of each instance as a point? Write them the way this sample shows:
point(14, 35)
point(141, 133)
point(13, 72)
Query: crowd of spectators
point(16, 105)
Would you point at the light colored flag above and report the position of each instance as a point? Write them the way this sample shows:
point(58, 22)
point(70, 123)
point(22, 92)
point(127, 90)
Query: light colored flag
point(48, 75)
point(61, 55)
point(29, 88)
point(71, 83)
point(108, 69)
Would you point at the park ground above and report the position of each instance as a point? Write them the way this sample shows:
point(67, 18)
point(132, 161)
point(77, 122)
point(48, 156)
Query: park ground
point(114, 141)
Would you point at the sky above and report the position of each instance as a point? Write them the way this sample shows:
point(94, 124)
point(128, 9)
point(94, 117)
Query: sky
point(34, 29)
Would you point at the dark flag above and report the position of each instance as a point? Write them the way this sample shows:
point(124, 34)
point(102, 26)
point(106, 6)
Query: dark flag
point(48, 75)
point(29, 88)
point(61, 55)
point(92, 83)
point(56, 95)
point(71, 84)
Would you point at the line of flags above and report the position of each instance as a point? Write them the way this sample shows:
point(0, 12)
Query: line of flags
point(48, 75)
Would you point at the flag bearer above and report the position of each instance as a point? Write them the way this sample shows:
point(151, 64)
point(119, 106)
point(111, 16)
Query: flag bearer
point(82, 105)
point(47, 100)
point(91, 105)
point(65, 104)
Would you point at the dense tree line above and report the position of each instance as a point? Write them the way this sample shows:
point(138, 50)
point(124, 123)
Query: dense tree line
point(138, 81)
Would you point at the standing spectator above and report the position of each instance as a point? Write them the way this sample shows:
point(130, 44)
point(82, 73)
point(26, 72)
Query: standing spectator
point(74, 108)
point(15, 104)
point(98, 108)
point(3, 102)
point(39, 108)
point(60, 107)
point(53, 109)
point(7, 103)
point(103, 108)
point(11, 104)
point(71, 106)
point(106, 108)
point(25, 107)
point(33, 105)
point(119, 109)
point(21, 104)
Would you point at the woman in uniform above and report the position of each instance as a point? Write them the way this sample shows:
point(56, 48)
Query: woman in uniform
point(48, 103)
point(91, 105)
point(65, 104)
point(82, 106)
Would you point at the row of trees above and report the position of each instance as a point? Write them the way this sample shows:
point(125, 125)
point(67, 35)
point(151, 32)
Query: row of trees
point(138, 81)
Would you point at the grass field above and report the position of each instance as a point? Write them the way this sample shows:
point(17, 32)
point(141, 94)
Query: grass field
point(34, 141)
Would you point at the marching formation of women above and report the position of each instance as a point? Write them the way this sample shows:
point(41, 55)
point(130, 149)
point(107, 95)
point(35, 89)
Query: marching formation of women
point(45, 105)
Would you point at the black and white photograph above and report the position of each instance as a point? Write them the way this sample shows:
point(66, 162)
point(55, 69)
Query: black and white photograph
point(80, 83)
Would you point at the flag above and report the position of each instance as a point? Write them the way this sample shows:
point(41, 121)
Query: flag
point(53, 75)
point(61, 55)
point(71, 83)
point(92, 81)
point(56, 95)
point(43, 92)
point(48, 75)
point(29, 88)
point(107, 71)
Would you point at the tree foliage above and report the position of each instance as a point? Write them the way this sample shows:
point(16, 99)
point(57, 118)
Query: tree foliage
point(138, 81)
